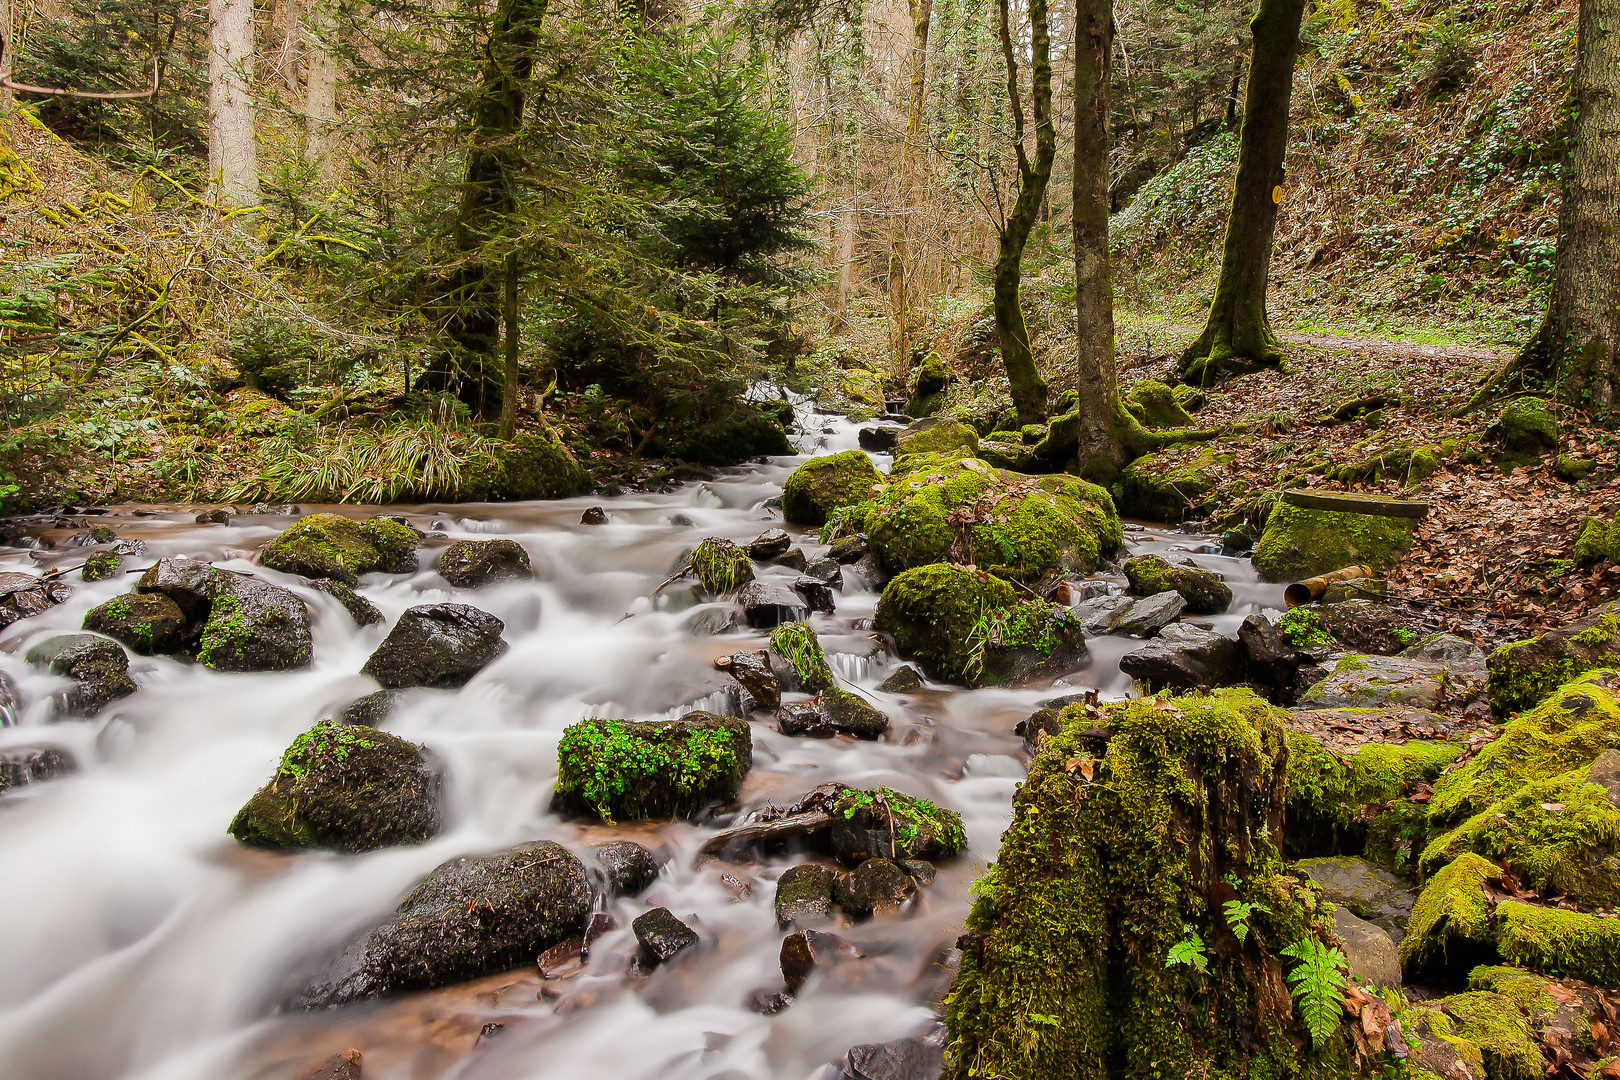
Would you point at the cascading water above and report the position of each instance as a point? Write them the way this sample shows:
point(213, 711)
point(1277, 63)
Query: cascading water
point(142, 941)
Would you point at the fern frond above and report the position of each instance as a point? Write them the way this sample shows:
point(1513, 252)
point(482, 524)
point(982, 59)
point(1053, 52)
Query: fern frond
point(1317, 982)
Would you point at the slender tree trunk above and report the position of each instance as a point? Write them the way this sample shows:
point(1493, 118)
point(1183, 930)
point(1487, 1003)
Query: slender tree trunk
point(509, 380)
point(233, 160)
point(1099, 453)
point(1028, 389)
point(1576, 352)
point(1237, 335)
point(901, 254)
point(320, 89)
point(7, 102)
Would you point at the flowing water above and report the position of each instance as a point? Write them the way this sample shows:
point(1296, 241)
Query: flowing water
point(141, 941)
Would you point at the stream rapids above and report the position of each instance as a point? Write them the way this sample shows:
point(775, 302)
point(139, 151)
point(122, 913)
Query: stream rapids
point(143, 942)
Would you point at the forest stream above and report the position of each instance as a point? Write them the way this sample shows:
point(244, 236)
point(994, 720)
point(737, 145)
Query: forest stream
point(145, 942)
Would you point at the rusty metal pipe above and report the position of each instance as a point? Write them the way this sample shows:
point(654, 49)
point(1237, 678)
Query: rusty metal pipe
point(1304, 592)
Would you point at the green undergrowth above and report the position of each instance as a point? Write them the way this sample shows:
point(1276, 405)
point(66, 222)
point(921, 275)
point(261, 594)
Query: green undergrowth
point(625, 770)
point(796, 643)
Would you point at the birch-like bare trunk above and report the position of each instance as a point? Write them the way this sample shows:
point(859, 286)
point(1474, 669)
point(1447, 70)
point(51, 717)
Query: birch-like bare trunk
point(901, 253)
point(320, 89)
point(233, 159)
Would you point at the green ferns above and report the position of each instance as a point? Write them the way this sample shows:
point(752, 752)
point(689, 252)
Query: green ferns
point(1317, 982)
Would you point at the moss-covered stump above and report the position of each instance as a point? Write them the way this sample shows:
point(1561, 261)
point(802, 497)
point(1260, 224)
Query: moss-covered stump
point(340, 548)
point(1120, 852)
point(1204, 591)
point(721, 566)
point(936, 437)
point(823, 484)
point(1337, 801)
point(149, 623)
point(471, 916)
point(883, 823)
point(1299, 543)
point(806, 663)
point(1171, 485)
point(1523, 673)
point(965, 626)
point(626, 770)
point(941, 507)
point(1154, 404)
point(345, 788)
point(534, 465)
point(928, 386)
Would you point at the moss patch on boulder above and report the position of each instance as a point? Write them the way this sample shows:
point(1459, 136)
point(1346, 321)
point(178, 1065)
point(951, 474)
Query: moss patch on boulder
point(1205, 593)
point(1328, 795)
point(1522, 674)
point(936, 437)
point(796, 644)
point(1598, 541)
point(344, 788)
point(1173, 484)
point(534, 465)
point(1155, 405)
point(884, 823)
point(1299, 543)
point(149, 623)
point(1495, 1024)
point(626, 770)
point(928, 386)
point(1558, 942)
point(1451, 921)
point(823, 484)
point(340, 548)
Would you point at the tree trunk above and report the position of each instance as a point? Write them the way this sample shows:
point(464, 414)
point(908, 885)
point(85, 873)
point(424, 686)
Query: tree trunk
point(1099, 453)
point(509, 380)
point(1575, 355)
point(1238, 337)
point(900, 247)
point(233, 160)
point(1028, 389)
point(7, 102)
point(320, 89)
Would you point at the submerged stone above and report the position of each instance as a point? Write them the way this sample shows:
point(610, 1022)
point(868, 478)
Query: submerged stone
point(33, 764)
point(98, 667)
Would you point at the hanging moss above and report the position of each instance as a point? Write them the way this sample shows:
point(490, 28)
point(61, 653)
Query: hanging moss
point(625, 770)
point(1115, 856)
point(796, 643)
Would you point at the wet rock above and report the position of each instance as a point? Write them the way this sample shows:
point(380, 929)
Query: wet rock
point(1522, 674)
point(904, 679)
point(752, 670)
point(148, 623)
point(1366, 891)
point(1037, 727)
point(627, 770)
point(769, 545)
point(472, 915)
point(98, 666)
point(22, 596)
point(803, 718)
point(852, 714)
point(803, 664)
point(721, 566)
point(661, 936)
point(817, 594)
point(344, 1066)
point(188, 582)
point(713, 619)
point(472, 564)
point(1375, 681)
point(1147, 617)
point(370, 710)
point(253, 625)
point(876, 886)
point(439, 645)
point(867, 573)
point(884, 823)
point(1204, 591)
point(826, 571)
point(340, 548)
point(804, 895)
point(769, 603)
point(1368, 950)
point(794, 560)
point(1267, 654)
point(1099, 613)
point(218, 516)
point(766, 1002)
point(100, 566)
point(594, 515)
point(100, 534)
point(681, 520)
point(877, 439)
point(346, 788)
point(915, 1058)
point(804, 952)
point(823, 484)
point(1183, 657)
point(11, 701)
point(628, 867)
point(563, 960)
point(361, 610)
point(848, 550)
point(33, 764)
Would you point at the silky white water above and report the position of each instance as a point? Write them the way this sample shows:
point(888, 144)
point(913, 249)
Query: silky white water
point(141, 941)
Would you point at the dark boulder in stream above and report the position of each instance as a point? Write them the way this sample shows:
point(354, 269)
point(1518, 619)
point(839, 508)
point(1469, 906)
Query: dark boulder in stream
point(98, 667)
point(223, 620)
point(759, 685)
point(148, 623)
point(770, 603)
point(472, 564)
point(438, 645)
point(1184, 656)
point(661, 937)
point(472, 915)
point(361, 610)
point(626, 770)
point(23, 596)
point(627, 867)
point(348, 788)
point(340, 548)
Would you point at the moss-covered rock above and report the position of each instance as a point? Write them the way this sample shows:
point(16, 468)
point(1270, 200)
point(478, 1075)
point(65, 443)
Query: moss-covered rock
point(883, 823)
point(1007, 455)
point(99, 669)
point(149, 623)
point(1204, 591)
point(1173, 484)
point(967, 627)
point(863, 392)
point(1423, 463)
point(340, 548)
point(852, 714)
point(823, 484)
point(1527, 431)
point(1597, 541)
point(1117, 854)
point(721, 566)
point(1329, 794)
point(101, 565)
point(936, 437)
point(1494, 1023)
point(1451, 921)
point(928, 386)
point(1381, 681)
point(1521, 674)
point(1558, 942)
point(796, 644)
point(472, 564)
point(345, 788)
point(1300, 543)
point(253, 625)
point(940, 506)
point(1158, 405)
point(626, 770)
point(1572, 470)
point(534, 465)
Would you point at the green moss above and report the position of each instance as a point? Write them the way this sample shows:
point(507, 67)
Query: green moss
point(1451, 921)
point(1522, 673)
point(1424, 463)
point(627, 770)
point(534, 465)
point(1104, 869)
point(1494, 1023)
point(340, 548)
point(227, 633)
point(1567, 732)
point(1527, 990)
point(1158, 405)
point(1527, 426)
point(928, 386)
point(1205, 593)
point(796, 643)
point(1328, 795)
point(1173, 484)
point(947, 436)
point(721, 566)
point(1572, 469)
point(1558, 942)
point(1303, 629)
point(822, 485)
point(100, 566)
point(863, 390)
point(1299, 543)
point(919, 828)
point(1004, 455)
point(932, 611)
point(1030, 434)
